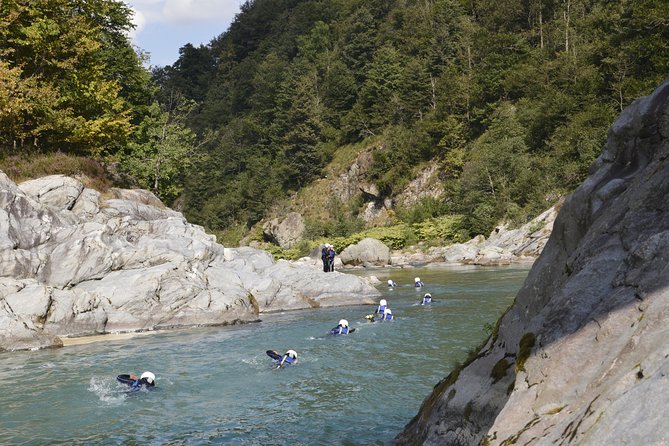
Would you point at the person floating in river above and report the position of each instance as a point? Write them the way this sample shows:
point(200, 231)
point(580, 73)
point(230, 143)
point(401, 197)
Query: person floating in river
point(288, 358)
point(147, 380)
point(427, 299)
point(392, 283)
point(382, 306)
point(387, 315)
point(417, 283)
point(342, 328)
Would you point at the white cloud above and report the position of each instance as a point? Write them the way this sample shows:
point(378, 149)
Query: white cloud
point(189, 11)
point(163, 26)
point(139, 20)
point(185, 12)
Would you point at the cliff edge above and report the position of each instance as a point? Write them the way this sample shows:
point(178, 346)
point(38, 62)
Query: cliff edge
point(582, 355)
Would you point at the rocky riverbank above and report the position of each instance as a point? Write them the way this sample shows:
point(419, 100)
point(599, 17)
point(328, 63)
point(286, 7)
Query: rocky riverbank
point(76, 263)
point(504, 246)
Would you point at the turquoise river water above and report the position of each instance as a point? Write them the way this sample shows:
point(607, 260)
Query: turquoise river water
point(216, 385)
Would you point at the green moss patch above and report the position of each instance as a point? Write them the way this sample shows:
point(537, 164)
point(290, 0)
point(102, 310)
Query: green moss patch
point(524, 349)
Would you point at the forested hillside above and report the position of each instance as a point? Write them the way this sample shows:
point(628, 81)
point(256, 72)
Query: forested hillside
point(511, 98)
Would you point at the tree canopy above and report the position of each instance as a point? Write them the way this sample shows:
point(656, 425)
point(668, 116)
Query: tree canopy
point(511, 97)
point(69, 77)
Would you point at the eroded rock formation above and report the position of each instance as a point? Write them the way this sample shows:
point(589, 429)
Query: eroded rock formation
point(72, 264)
point(582, 356)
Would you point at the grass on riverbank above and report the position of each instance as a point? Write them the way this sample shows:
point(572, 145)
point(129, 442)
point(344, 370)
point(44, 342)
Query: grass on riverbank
point(438, 231)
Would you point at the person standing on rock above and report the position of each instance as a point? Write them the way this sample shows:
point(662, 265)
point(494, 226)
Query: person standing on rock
point(331, 257)
point(325, 255)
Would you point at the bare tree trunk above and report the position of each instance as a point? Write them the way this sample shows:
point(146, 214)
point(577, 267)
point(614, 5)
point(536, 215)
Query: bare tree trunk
point(434, 92)
point(156, 176)
point(469, 78)
point(566, 15)
point(541, 28)
point(492, 187)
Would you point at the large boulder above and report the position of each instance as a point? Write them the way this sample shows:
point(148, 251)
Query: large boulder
point(55, 190)
point(72, 264)
point(367, 252)
point(287, 232)
point(581, 357)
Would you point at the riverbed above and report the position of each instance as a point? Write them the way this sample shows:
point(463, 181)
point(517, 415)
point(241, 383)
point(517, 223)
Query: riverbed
point(217, 386)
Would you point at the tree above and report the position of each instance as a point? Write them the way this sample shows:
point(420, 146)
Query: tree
point(162, 151)
point(60, 54)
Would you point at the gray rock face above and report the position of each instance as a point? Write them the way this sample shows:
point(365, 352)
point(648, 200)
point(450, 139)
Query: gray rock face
point(582, 356)
point(505, 246)
point(71, 265)
point(287, 232)
point(426, 185)
point(367, 252)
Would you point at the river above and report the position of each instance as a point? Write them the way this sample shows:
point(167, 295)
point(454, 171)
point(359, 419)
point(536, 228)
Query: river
point(215, 385)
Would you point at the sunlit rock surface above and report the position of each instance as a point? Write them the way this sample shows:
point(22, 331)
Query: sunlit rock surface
point(582, 357)
point(73, 264)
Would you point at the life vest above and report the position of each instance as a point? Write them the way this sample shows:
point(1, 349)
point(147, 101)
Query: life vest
point(289, 357)
point(380, 309)
point(339, 330)
point(426, 299)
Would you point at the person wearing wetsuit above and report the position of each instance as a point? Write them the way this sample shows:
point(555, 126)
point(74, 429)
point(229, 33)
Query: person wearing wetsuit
point(331, 258)
point(391, 283)
point(290, 357)
point(417, 283)
point(382, 306)
point(427, 299)
point(341, 328)
point(147, 380)
point(325, 258)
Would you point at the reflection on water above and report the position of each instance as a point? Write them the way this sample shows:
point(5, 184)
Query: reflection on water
point(217, 386)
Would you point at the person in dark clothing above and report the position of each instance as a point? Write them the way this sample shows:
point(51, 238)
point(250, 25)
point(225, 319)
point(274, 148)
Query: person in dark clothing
point(325, 257)
point(331, 257)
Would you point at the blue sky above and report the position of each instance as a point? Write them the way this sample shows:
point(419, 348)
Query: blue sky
point(164, 26)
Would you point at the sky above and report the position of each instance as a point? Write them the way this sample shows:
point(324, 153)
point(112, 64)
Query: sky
point(164, 26)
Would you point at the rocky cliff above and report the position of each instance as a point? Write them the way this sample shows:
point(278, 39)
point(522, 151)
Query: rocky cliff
point(74, 263)
point(582, 355)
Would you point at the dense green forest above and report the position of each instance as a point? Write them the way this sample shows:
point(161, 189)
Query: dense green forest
point(512, 98)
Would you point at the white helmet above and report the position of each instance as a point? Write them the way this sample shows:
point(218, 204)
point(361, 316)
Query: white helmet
point(428, 295)
point(343, 323)
point(383, 302)
point(387, 311)
point(390, 282)
point(292, 354)
point(150, 377)
point(417, 279)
